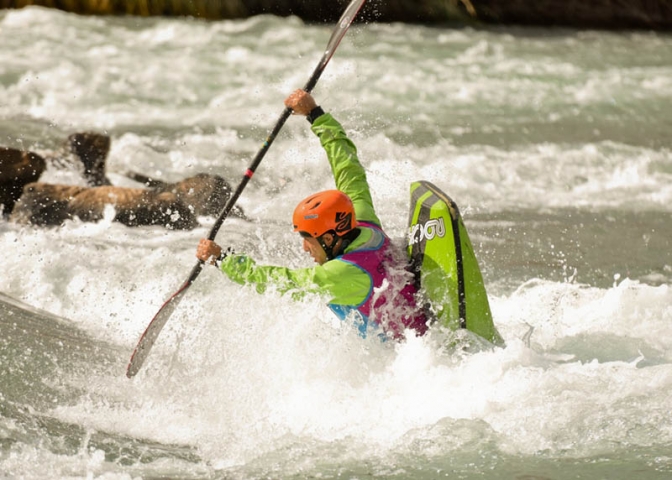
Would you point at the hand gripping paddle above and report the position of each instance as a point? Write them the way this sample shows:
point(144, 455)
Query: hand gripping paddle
point(150, 335)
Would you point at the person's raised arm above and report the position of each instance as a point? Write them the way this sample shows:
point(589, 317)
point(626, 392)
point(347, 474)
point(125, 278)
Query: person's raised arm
point(348, 172)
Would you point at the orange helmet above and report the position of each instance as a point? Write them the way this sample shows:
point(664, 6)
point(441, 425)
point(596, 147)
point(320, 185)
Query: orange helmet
point(323, 212)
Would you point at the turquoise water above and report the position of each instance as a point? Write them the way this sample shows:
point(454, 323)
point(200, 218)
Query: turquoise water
point(555, 144)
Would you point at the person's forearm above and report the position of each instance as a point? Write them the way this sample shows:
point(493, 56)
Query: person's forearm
point(349, 175)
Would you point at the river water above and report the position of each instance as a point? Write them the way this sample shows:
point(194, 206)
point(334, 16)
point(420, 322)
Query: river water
point(556, 146)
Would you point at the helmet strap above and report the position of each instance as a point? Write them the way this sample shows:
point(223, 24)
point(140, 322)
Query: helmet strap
point(328, 249)
point(346, 240)
point(349, 237)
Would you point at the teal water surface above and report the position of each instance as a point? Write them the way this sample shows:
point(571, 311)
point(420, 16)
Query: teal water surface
point(555, 145)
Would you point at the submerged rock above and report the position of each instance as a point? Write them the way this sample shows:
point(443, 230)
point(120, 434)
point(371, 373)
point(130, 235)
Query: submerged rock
point(17, 169)
point(49, 204)
point(173, 205)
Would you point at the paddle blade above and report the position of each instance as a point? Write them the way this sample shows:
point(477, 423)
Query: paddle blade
point(152, 331)
point(337, 35)
point(339, 32)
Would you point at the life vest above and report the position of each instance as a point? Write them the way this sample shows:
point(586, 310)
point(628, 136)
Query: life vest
point(390, 302)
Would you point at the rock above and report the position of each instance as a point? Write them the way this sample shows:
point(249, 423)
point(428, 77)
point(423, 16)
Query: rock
point(173, 205)
point(17, 169)
point(92, 149)
point(49, 204)
point(204, 193)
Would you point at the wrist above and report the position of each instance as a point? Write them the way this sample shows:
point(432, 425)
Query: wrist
point(222, 256)
point(314, 114)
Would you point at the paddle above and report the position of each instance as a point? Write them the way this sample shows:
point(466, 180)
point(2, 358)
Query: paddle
point(150, 335)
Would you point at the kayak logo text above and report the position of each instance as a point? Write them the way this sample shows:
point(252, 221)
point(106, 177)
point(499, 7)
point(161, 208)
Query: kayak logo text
point(427, 231)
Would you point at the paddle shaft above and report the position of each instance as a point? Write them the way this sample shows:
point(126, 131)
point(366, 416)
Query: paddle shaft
point(286, 113)
point(343, 24)
point(156, 325)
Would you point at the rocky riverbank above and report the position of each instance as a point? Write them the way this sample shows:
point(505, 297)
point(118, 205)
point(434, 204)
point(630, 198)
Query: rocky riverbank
point(601, 14)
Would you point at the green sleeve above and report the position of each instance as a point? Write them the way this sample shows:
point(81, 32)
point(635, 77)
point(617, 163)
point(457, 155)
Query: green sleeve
point(342, 282)
point(348, 173)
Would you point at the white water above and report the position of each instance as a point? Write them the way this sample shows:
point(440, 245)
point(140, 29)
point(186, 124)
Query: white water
point(554, 144)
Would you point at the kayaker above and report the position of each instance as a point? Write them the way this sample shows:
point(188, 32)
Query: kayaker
point(358, 271)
